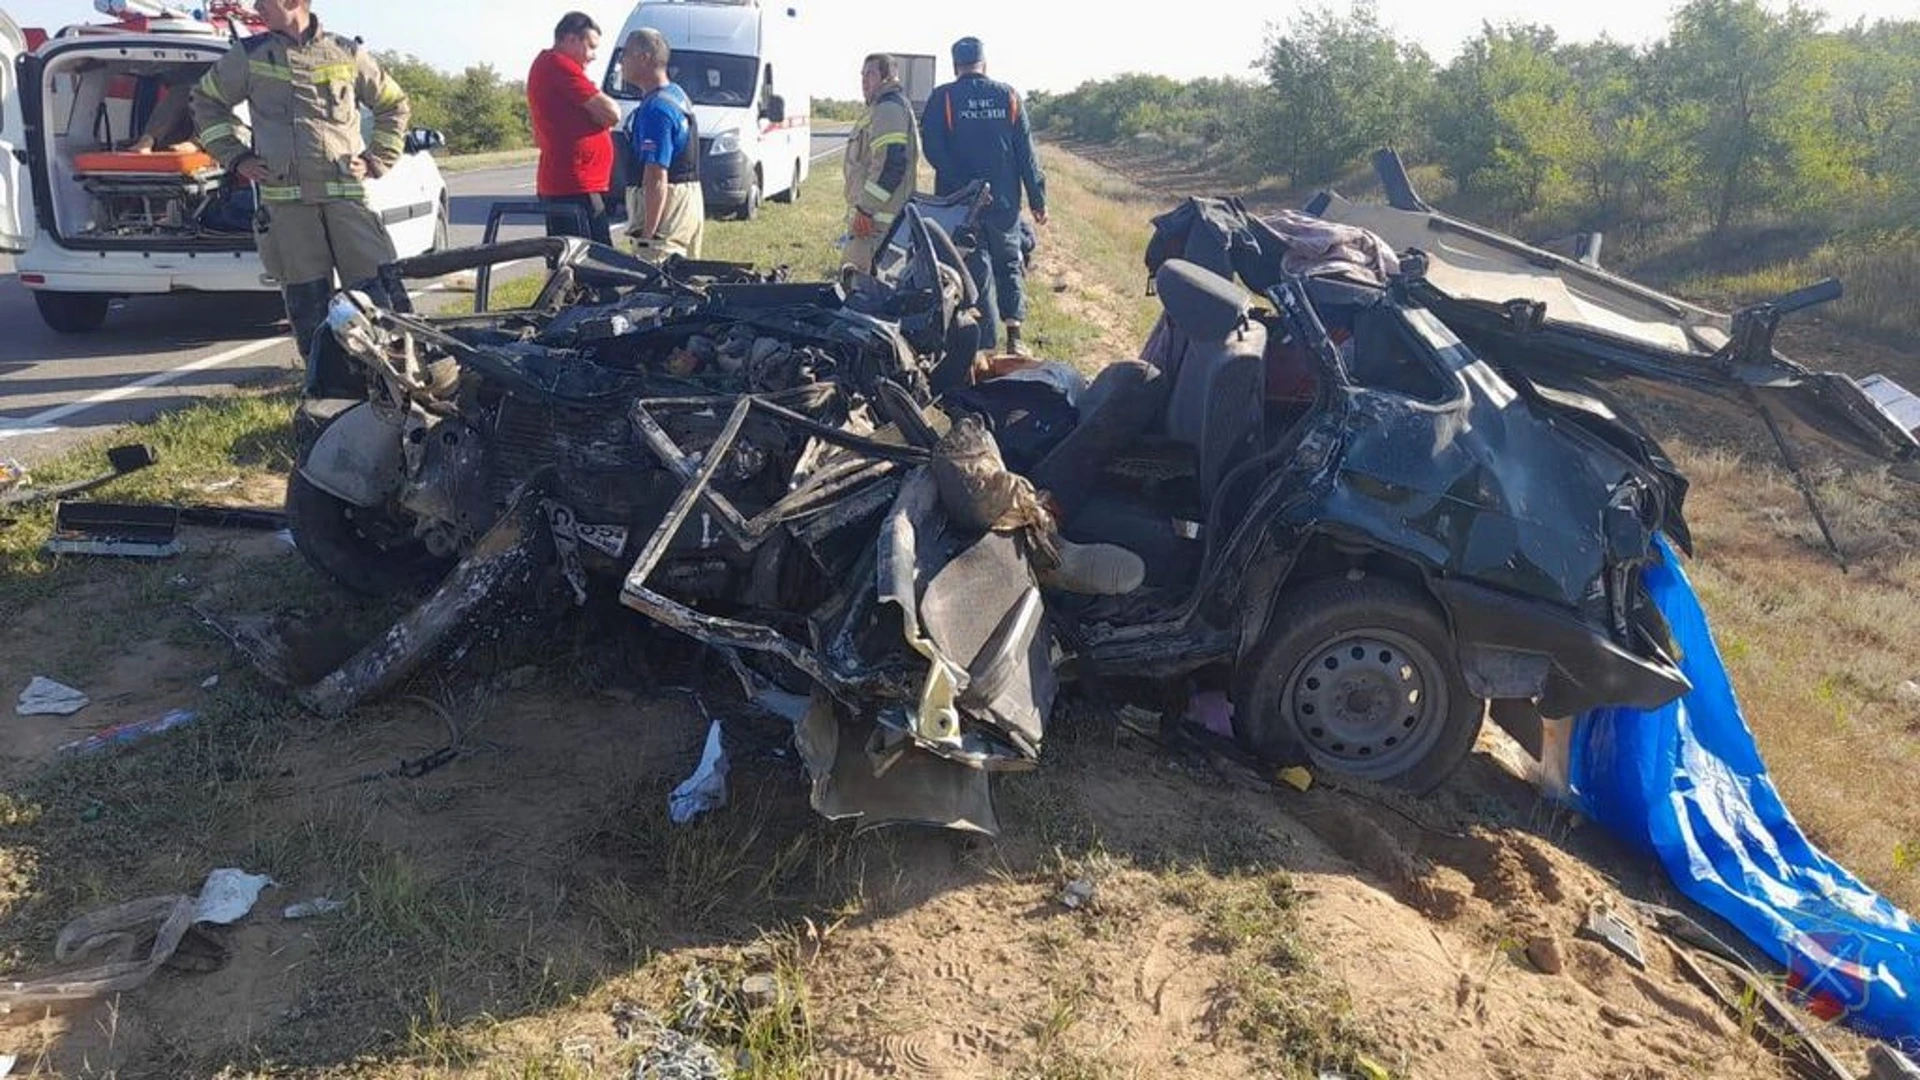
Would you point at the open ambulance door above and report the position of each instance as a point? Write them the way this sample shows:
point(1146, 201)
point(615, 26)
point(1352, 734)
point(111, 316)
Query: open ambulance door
point(16, 193)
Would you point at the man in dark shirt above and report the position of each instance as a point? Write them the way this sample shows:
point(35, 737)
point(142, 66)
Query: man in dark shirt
point(974, 128)
point(572, 125)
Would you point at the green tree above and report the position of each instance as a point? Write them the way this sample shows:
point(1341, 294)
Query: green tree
point(1875, 101)
point(1342, 85)
point(1749, 87)
point(1626, 155)
point(429, 89)
point(484, 114)
point(1507, 115)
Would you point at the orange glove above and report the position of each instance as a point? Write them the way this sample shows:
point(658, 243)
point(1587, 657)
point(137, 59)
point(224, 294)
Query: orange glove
point(863, 224)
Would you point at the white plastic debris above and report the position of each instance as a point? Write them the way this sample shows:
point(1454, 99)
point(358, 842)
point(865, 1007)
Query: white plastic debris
point(307, 909)
point(285, 536)
point(228, 895)
point(1079, 893)
point(707, 787)
point(44, 697)
point(13, 475)
point(209, 682)
point(7, 1062)
point(788, 706)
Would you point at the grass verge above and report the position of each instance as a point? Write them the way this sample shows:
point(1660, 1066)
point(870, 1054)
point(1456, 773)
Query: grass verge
point(227, 450)
point(494, 159)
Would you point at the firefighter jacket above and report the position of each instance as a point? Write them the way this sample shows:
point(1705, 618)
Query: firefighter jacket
point(975, 129)
point(304, 98)
point(883, 156)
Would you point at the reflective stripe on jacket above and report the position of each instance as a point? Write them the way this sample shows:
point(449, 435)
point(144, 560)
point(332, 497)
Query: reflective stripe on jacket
point(883, 156)
point(304, 98)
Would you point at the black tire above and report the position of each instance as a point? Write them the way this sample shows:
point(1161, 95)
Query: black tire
point(373, 558)
point(1363, 676)
point(72, 312)
point(792, 194)
point(750, 209)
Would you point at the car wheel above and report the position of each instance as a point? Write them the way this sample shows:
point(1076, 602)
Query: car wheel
point(71, 312)
point(792, 194)
point(359, 548)
point(750, 209)
point(1363, 676)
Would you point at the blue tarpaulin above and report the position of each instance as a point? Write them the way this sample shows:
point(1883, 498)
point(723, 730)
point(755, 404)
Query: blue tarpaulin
point(1685, 782)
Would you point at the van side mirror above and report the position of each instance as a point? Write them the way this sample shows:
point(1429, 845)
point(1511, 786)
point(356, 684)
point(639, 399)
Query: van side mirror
point(420, 140)
point(775, 109)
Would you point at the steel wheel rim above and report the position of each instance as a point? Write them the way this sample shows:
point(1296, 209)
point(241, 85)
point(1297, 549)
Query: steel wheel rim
point(1369, 702)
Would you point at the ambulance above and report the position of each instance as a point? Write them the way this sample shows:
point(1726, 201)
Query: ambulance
point(87, 222)
point(742, 65)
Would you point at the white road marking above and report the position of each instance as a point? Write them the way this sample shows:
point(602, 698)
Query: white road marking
point(38, 423)
point(44, 422)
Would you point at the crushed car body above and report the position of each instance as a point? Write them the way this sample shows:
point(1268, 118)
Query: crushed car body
point(1370, 501)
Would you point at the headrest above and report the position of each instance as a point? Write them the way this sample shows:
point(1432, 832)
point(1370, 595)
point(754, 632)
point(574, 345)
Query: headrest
point(1201, 303)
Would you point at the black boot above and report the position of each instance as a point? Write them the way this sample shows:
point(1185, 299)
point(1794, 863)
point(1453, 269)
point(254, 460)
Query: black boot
point(1014, 346)
point(329, 374)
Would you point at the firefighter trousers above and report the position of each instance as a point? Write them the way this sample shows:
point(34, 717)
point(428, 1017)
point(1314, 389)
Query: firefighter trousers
point(302, 242)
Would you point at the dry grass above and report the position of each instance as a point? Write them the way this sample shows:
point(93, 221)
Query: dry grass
point(1881, 274)
point(1817, 656)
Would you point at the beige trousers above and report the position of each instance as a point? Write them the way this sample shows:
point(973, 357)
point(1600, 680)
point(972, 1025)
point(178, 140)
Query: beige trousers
point(683, 224)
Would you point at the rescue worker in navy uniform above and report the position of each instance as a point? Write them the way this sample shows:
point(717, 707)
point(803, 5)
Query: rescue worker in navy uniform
point(303, 149)
point(882, 162)
point(974, 128)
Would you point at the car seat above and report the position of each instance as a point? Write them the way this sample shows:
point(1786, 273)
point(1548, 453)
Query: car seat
point(1199, 386)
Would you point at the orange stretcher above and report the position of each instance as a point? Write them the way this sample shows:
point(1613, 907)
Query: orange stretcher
point(157, 163)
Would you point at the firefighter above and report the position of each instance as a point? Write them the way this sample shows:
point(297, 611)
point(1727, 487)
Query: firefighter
point(303, 151)
point(882, 160)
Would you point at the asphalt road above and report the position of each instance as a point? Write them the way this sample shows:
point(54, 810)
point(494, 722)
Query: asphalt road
point(162, 352)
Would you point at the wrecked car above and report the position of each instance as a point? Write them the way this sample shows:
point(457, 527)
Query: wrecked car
point(1371, 503)
point(474, 426)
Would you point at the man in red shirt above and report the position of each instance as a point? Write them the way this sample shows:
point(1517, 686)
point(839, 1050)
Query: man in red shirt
point(572, 122)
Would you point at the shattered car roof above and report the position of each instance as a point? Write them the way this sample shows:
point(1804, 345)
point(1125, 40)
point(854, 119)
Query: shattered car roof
point(1552, 316)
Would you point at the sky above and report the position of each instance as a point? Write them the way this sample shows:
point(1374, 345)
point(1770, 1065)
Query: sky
point(1033, 44)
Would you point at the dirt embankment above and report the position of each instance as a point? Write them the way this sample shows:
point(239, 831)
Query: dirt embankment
point(502, 905)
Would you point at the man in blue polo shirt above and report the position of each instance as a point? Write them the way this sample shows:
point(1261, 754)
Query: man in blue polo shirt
point(666, 214)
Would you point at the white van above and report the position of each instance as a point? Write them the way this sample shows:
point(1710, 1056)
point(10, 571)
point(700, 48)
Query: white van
point(83, 237)
point(917, 78)
point(740, 63)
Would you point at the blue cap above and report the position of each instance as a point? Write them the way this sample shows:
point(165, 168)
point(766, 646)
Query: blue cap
point(968, 50)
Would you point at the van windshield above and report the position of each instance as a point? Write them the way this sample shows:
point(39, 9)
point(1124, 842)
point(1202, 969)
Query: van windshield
point(708, 78)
